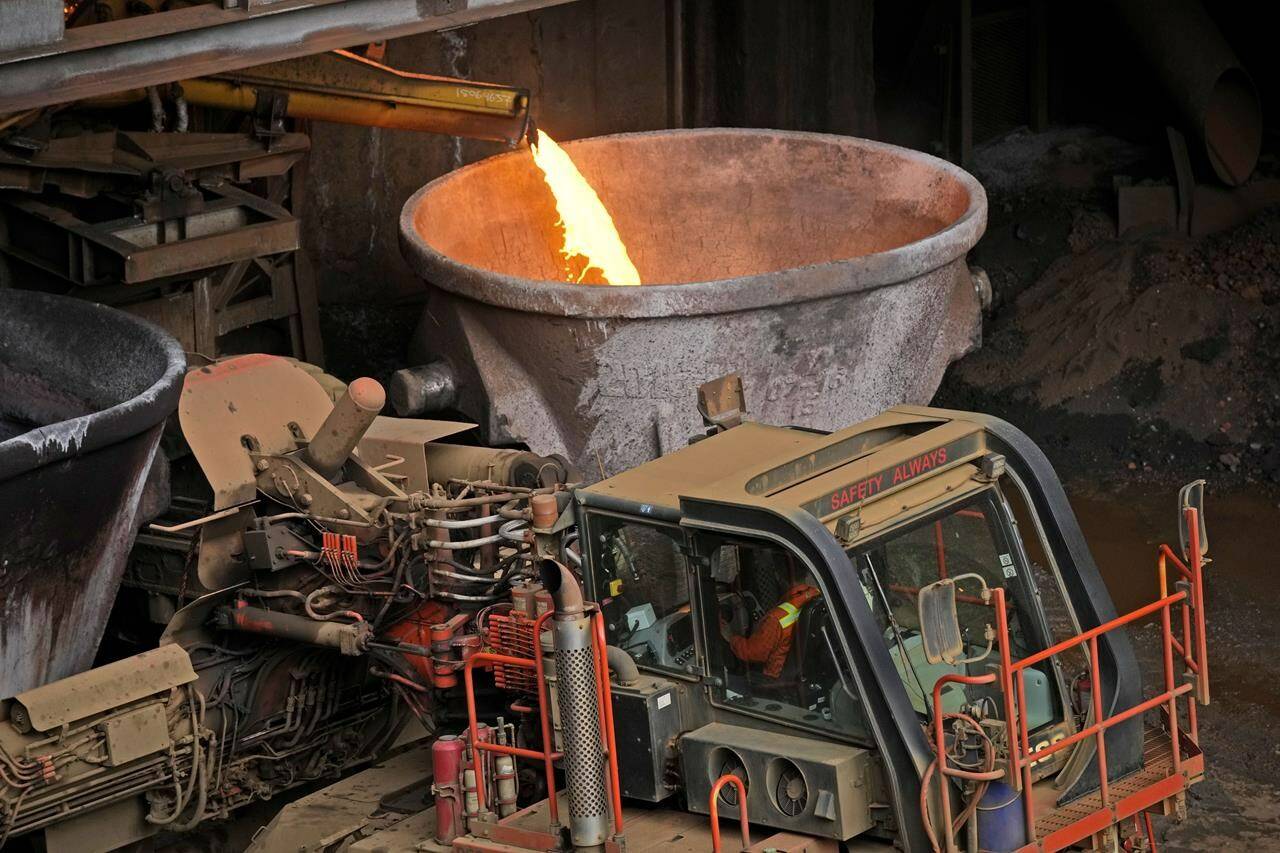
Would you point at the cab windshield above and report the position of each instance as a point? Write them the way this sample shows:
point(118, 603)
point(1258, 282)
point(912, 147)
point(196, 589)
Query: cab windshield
point(971, 539)
point(771, 648)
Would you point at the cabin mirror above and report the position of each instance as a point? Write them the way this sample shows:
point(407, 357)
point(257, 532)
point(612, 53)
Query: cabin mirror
point(1191, 496)
point(939, 622)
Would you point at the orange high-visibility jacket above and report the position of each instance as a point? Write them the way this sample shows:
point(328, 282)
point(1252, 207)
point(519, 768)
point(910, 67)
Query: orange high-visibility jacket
point(770, 641)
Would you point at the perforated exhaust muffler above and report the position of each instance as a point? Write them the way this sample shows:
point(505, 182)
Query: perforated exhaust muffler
point(584, 760)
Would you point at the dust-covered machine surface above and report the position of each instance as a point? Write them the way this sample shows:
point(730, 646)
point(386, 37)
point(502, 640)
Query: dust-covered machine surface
point(892, 634)
point(312, 598)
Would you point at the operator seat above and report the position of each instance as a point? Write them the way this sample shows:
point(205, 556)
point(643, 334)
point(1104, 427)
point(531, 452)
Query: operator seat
point(807, 646)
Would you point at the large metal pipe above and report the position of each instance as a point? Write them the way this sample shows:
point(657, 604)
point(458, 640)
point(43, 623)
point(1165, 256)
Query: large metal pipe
point(351, 417)
point(207, 39)
point(355, 109)
point(1215, 95)
point(584, 760)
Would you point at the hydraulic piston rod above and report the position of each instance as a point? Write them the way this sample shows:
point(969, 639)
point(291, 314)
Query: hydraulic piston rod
point(347, 88)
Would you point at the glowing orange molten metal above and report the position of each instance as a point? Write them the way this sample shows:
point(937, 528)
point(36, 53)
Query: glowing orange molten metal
point(590, 238)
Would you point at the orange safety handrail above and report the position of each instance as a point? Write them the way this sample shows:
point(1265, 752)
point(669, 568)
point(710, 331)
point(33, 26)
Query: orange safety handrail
point(743, 823)
point(546, 755)
point(1192, 651)
point(1199, 663)
point(606, 705)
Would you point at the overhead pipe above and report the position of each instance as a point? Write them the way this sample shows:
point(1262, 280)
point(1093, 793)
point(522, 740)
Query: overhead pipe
point(205, 39)
point(358, 109)
point(1215, 95)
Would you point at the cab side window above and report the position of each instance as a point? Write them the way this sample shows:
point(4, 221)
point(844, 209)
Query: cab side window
point(641, 580)
point(772, 647)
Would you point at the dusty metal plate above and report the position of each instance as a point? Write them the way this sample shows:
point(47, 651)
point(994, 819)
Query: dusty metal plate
point(352, 807)
point(217, 563)
point(108, 828)
point(253, 395)
point(405, 438)
point(128, 680)
point(135, 734)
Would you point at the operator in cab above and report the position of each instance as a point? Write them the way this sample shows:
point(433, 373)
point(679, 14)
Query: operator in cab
point(772, 637)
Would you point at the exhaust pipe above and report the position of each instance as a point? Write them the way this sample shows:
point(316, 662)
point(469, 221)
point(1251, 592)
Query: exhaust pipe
point(623, 665)
point(584, 761)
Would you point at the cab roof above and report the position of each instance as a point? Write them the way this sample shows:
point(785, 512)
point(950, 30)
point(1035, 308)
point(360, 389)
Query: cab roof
point(827, 475)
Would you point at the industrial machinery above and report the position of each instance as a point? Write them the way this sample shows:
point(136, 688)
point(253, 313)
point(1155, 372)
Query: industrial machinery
point(892, 634)
point(792, 298)
point(336, 589)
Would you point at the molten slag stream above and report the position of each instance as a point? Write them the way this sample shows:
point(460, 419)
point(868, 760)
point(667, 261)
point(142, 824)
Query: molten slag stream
point(589, 233)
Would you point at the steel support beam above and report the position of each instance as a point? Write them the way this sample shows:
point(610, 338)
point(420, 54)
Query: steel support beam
point(134, 52)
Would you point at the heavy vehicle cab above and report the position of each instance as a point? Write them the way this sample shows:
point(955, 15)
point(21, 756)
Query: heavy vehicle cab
point(700, 546)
